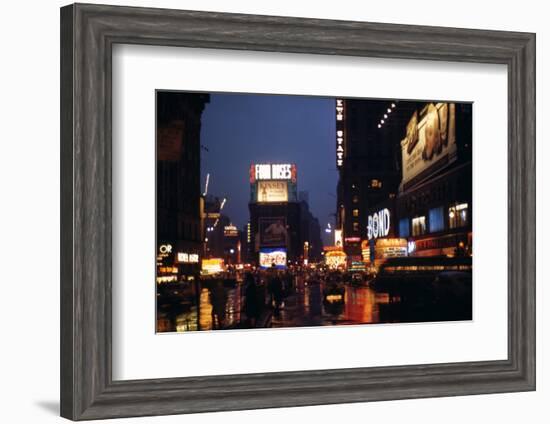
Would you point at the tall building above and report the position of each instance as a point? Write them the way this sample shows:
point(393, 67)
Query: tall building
point(231, 244)
point(274, 215)
point(367, 162)
point(310, 231)
point(405, 180)
point(434, 206)
point(246, 243)
point(213, 223)
point(179, 204)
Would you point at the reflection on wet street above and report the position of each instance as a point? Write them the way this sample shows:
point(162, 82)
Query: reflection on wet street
point(213, 304)
point(312, 306)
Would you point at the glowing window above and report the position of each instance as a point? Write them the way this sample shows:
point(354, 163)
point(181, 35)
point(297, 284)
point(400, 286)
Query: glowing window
point(419, 226)
point(458, 215)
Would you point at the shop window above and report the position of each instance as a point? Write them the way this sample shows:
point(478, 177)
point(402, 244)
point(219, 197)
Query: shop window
point(458, 215)
point(356, 212)
point(419, 226)
point(404, 227)
point(436, 220)
point(355, 226)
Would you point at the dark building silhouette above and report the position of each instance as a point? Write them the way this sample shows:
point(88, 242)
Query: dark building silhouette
point(310, 231)
point(276, 215)
point(178, 183)
point(275, 222)
point(213, 223)
point(367, 161)
point(246, 243)
point(279, 217)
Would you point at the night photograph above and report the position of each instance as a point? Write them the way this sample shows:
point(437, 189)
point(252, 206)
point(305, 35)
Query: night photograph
point(278, 211)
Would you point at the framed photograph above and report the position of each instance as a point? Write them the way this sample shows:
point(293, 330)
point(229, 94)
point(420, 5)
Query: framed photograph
point(265, 212)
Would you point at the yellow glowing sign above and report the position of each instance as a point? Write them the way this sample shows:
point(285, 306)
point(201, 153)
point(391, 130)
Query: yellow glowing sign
point(212, 266)
point(390, 248)
point(272, 191)
point(184, 257)
point(230, 231)
point(335, 259)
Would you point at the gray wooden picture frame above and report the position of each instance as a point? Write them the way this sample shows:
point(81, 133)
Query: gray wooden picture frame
point(88, 33)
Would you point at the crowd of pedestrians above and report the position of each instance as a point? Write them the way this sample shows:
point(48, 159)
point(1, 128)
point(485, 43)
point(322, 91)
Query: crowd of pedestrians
point(264, 293)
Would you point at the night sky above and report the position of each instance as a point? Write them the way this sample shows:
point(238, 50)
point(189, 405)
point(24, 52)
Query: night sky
point(240, 129)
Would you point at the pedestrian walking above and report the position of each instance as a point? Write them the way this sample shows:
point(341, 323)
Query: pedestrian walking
point(276, 290)
point(219, 301)
point(252, 306)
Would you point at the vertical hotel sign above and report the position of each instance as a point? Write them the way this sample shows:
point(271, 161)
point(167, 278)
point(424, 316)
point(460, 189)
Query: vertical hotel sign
point(340, 115)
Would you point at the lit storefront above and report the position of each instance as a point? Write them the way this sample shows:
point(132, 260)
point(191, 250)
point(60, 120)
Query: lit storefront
point(175, 263)
point(179, 232)
point(212, 266)
point(382, 240)
point(436, 217)
point(335, 259)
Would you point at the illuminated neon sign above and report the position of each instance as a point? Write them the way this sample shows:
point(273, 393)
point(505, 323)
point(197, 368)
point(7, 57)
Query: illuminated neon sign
point(378, 224)
point(340, 133)
point(184, 257)
point(273, 171)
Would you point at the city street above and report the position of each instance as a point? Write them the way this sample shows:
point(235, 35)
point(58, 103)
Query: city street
point(313, 211)
point(310, 301)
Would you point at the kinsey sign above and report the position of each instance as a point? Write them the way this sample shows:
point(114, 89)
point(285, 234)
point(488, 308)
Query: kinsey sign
point(378, 224)
point(272, 191)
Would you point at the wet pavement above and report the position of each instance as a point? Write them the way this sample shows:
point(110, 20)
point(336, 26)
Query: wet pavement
point(313, 303)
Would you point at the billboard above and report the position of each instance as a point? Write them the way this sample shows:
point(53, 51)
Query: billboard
point(230, 231)
point(378, 224)
point(212, 266)
point(272, 191)
point(391, 248)
point(335, 259)
point(272, 231)
point(273, 256)
point(338, 238)
point(273, 171)
point(429, 140)
point(340, 129)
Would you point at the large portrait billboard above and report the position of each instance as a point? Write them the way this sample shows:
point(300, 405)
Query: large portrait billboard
point(429, 141)
point(272, 231)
